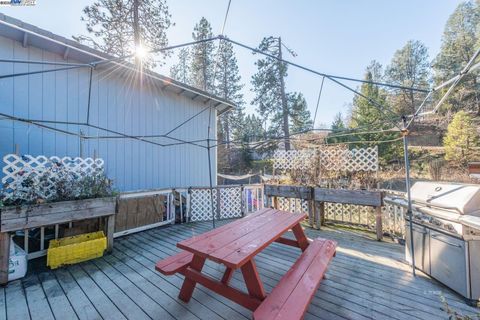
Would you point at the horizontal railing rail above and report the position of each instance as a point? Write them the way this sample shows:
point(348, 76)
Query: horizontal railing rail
point(368, 209)
point(143, 210)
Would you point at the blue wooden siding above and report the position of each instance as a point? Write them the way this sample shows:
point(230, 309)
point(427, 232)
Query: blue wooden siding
point(118, 103)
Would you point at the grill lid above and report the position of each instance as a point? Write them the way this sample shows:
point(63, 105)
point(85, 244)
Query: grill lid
point(460, 198)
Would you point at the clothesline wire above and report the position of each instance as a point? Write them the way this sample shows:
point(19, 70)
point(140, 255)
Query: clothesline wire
point(220, 37)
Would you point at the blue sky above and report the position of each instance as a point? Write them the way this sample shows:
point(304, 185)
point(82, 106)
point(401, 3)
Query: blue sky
point(338, 37)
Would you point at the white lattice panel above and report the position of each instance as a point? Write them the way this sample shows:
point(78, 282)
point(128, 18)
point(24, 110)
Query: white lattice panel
point(201, 204)
point(230, 202)
point(18, 169)
point(293, 159)
point(331, 159)
point(230, 205)
point(292, 204)
point(350, 213)
point(393, 219)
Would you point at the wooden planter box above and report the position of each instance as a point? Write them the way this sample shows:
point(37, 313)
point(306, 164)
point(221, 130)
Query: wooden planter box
point(34, 216)
point(46, 214)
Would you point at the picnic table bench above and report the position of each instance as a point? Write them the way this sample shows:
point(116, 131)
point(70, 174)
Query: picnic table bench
point(235, 245)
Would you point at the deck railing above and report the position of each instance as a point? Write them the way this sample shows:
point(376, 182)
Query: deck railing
point(138, 211)
point(230, 201)
point(371, 210)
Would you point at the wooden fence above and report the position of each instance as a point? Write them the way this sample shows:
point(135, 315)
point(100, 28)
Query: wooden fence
point(138, 211)
point(329, 204)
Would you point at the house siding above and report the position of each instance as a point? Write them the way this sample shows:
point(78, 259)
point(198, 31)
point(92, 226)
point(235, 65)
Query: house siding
point(118, 103)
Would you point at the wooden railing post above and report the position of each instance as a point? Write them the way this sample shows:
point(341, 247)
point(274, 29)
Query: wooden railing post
point(275, 202)
point(378, 223)
point(4, 256)
point(319, 215)
point(311, 212)
point(243, 201)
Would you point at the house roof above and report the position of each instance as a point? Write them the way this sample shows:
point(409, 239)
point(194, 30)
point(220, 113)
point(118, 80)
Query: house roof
point(31, 35)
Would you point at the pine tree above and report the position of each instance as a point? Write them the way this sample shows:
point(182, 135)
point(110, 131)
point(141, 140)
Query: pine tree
point(252, 129)
point(118, 26)
point(461, 137)
point(338, 124)
point(202, 55)
point(284, 111)
point(229, 87)
point(459, 42)
point(366, 115)
point(409, 68)
point(299, 116)
point(181, 70)
point(267, 86)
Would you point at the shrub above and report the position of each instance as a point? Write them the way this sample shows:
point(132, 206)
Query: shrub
point(461, 139)
point(56, 183)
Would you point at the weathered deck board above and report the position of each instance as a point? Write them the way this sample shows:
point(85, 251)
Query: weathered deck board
point(366, 280)
point(83, 307)
point(37, 300)
point(3, 309)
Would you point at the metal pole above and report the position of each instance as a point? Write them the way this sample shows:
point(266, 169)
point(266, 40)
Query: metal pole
point(211, 182)
point(81, 143)
point(89, 95)
point(407, 184)
point(210, 165)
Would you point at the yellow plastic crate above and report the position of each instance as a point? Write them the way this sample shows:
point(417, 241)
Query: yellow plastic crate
point(76, 249)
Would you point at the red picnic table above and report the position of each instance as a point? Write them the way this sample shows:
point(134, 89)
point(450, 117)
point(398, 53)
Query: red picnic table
point(235, 245)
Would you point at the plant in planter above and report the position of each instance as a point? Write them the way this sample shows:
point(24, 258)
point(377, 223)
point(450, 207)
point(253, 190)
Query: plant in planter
point(55, 183)
point(57, 193)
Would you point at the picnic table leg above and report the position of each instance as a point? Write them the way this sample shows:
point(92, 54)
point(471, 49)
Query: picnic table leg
point(253, 281)
point(189, 285)
point(227, 275)
point(300, 236)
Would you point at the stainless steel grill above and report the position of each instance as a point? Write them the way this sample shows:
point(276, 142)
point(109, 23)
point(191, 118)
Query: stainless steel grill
point(446, 234)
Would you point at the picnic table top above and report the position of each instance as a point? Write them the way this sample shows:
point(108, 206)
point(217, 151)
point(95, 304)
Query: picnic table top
point(237, 242)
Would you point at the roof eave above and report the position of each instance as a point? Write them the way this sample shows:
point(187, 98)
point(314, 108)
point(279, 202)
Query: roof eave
point(16, 29)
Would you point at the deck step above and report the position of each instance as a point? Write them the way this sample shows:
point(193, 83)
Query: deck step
point(292, 295)
point(175, 263)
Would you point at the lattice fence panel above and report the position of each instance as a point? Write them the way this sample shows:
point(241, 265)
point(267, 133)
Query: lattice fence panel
point(20, 169)
point(351, 214)
point(201, 204)
point(292, 204)
point(229, 206)
point(394, 219)
point(331, 159)
point(230, 202)
point(293, 159)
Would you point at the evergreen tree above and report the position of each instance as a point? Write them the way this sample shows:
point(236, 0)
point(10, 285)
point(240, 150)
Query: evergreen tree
point(252, 129)
point(284, 111)
point(299, 116)
point(337, 127)
point(409, 68)
point(229, 87)
point(366, 115)
point(249, 133)
point(181, 71)
point(267, 85)
point(118, 26)
point(459, 42)
point(461, 137)
point(202, 55)
point(338, 124)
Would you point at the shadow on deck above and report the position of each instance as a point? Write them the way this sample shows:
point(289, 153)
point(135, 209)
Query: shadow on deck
point(366, 280)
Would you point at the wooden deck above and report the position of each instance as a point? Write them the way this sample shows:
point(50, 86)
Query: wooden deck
point(366, 280)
